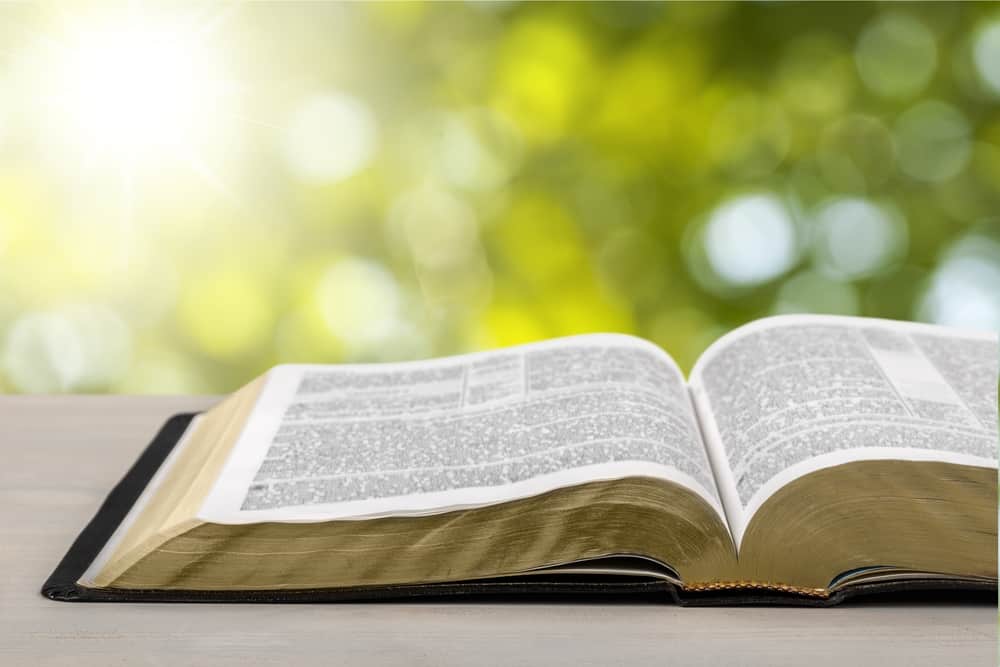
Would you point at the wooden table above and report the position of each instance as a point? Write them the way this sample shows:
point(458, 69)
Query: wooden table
point(61, 455)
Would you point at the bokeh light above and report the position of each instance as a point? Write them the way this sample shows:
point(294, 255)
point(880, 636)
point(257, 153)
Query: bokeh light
point(986, 54)
point(896, 55)
point(855, 238)
point(361, 303)
point(75, 348)
point(750, 240)
point(476, 150)
point(227, 313)
point(934, 141)
point(330, 137)
point(191, 194)
point(965, 289)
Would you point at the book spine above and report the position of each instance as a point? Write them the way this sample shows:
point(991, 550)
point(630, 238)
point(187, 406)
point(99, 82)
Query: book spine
point(701, 587)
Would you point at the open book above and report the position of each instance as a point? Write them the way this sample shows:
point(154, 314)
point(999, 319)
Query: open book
point(805, 456)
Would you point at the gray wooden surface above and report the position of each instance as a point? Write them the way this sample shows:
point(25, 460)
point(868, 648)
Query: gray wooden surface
point(62, 454)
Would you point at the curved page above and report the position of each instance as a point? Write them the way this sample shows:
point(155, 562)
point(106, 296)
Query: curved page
point(359, 441)
point(785, 396)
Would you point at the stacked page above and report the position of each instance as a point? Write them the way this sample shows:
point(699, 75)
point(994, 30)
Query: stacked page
point(765, 405)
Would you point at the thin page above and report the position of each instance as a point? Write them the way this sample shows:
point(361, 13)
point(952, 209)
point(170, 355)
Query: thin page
point(789, 395)
point(360, 441)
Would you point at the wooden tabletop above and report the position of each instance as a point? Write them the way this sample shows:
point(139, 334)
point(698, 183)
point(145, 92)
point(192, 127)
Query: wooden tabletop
point(61, 455)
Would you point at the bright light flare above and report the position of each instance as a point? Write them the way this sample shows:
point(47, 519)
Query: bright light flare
point(137, 86)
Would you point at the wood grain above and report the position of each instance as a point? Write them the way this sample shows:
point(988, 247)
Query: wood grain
point(61, 455)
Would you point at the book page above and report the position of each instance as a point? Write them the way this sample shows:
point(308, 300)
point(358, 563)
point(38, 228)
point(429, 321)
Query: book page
point(788, 395)
point(361, 441)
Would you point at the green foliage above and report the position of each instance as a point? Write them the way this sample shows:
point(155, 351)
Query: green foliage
point(391, 181)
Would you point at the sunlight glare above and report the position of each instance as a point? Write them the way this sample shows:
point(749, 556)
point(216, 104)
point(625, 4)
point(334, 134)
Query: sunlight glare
point(137, 86)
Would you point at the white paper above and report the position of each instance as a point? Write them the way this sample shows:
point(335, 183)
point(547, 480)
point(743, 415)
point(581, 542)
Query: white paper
point(786, 396)
point(358, 441)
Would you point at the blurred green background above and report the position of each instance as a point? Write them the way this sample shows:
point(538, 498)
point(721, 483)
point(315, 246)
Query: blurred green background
point(190, 193)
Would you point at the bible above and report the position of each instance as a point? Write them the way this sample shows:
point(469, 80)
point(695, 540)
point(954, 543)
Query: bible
point(805, 460)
